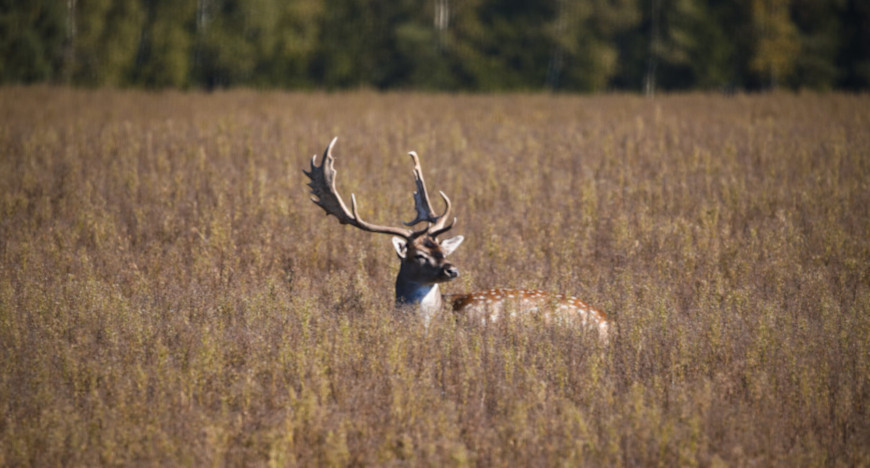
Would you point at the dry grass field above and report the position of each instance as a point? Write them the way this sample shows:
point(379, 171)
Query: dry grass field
point(170, 296)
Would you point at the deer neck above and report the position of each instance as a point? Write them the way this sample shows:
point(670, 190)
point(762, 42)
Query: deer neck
point(427, 297)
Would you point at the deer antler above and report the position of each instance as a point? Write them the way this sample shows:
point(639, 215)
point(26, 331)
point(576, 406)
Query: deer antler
point(424, 206)
point(323, 187)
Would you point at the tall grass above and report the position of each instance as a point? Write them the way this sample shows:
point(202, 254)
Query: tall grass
point(169, 296)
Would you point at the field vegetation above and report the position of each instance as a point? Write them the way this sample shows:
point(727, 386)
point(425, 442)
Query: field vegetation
point(170, 296)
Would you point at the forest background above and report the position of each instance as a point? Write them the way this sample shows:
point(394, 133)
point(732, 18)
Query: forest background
point(473, 45)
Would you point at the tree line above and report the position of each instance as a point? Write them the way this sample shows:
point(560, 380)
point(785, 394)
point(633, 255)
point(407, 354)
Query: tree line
point(475, 45)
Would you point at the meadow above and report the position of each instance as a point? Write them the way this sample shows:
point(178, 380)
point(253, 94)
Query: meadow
point(170, 296)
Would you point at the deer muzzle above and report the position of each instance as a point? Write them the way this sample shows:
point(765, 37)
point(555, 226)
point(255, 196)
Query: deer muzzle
point(449, 272)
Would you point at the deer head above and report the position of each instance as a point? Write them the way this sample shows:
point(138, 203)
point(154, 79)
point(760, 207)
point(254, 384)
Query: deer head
point(423, 257)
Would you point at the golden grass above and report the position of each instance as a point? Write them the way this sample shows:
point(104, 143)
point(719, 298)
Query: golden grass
point(169, 296)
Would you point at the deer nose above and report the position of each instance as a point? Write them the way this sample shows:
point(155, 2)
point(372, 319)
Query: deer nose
point(450, 271)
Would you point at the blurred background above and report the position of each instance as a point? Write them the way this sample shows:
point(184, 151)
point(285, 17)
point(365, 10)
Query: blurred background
point(470, 45)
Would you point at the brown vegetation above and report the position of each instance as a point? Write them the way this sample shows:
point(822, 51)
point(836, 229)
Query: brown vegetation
point(169, 296)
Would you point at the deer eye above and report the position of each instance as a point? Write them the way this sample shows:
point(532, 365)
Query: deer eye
point(420, 257)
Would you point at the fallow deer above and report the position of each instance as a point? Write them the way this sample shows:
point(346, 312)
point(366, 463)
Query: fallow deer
point(424, 261)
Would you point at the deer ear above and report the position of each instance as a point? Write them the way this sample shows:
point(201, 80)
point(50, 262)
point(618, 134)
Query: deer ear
point(449, 245)
point(401, 246)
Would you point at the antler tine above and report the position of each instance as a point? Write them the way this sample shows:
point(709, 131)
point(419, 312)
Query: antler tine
point(441, 225)
point(424, 206)
point(323, 187)
point(421, 196)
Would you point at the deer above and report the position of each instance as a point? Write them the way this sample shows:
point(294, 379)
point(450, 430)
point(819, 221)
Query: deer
point(424, 264)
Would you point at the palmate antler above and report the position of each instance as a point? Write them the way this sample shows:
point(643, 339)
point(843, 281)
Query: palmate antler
point(323, 187)
point(424, 206)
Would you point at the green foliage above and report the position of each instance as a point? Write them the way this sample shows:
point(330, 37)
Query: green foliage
point(816, 66)
point(584, 57)
point(854, 56)
point(31, 39)
point(163, 58)
point(776, 40)
point(287, 59)
point(170, 296)
point(106, 39)
point(477, 45)
point(692, 47)
point(352, 44)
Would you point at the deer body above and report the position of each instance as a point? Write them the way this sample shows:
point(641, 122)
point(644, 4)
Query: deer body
point(424, 263)
point(491, 305)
